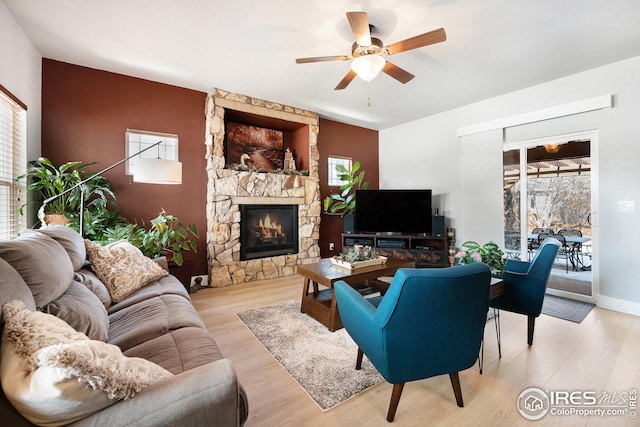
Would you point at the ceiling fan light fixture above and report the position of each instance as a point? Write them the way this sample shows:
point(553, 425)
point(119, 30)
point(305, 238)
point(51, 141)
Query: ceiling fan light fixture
point(551, 148)
point(367, 67)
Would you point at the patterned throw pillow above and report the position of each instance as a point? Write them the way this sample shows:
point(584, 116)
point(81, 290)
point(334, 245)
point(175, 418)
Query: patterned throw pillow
point(54, 375)
point(122, 267)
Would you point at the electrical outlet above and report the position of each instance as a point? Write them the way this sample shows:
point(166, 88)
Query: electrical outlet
point(199, 280)
point(332, 246)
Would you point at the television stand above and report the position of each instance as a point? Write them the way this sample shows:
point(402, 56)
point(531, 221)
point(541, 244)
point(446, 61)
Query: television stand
point(423, 249)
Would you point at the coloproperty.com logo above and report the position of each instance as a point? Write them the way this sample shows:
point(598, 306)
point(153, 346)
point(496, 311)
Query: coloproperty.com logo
point(535, 403)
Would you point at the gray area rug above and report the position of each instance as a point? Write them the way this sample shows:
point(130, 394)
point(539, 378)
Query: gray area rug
point(563, 308)
point(321, 362)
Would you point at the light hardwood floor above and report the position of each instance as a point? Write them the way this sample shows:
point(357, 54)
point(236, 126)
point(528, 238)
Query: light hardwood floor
point(602, 354)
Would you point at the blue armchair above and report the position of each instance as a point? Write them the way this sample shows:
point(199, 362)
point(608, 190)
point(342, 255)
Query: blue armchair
point(430, 322)
point(525, 283)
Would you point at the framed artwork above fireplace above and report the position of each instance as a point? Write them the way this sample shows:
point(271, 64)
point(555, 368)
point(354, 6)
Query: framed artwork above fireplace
point(254, 146)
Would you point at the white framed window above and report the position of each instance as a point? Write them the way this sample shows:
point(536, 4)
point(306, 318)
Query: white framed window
point(334, 175)
point(13, 148)
point(138, 140)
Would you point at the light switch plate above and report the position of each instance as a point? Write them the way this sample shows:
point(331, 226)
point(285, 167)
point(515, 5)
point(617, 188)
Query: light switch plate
point(627, 205)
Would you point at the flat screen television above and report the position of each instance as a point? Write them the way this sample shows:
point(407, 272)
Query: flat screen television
point(393, 211)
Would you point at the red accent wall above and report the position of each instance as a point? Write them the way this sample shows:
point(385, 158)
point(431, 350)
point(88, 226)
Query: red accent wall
point(85, 113)
point(339, 139)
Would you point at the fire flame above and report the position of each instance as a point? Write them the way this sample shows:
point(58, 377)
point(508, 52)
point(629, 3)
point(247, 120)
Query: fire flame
point(268, 228)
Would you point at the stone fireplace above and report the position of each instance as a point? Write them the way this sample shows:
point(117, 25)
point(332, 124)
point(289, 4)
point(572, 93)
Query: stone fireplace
point(229, 190)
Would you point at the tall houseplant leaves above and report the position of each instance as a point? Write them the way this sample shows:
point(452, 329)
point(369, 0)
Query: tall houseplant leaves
point(344, 202)
point(49, 180)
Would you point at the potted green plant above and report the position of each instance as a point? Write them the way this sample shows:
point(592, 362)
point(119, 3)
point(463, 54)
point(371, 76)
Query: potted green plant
point(489, 253)
point(344, 202)
point(97, 219)
point(125, 231)
point(168, 237)
point(49, 180)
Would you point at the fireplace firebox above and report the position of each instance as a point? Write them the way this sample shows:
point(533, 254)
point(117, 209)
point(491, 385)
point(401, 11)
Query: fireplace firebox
point(268, 230)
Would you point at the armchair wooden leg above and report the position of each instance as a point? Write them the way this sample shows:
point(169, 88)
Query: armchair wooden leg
point(496, 313)
point(481, 355)
point(530, 328)
point(359, 359)
point(395, 399)
point(455, 382)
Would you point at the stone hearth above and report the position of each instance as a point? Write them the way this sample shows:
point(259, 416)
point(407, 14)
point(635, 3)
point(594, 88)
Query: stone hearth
point(228, 188)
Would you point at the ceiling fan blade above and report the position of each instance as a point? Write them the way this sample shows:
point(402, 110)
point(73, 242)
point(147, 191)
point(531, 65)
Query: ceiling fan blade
point(346, 80)
point(432, 37)
point(360, 27)
point(397, 73)
point(323, 59)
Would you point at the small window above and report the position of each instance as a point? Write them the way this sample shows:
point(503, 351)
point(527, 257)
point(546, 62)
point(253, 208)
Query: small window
point(13, 147)
point(137, 140)
point(334, 175)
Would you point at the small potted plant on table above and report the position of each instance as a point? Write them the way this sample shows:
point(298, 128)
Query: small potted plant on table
point(490, 253)
point(358, 257)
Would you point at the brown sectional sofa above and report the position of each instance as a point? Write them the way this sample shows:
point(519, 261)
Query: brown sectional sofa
point(156, 322)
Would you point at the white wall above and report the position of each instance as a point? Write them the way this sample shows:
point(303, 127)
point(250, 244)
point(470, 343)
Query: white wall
point(21, 74)
point(427, 153)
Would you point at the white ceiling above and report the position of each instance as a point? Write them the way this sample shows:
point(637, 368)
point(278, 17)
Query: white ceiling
point(250, 46)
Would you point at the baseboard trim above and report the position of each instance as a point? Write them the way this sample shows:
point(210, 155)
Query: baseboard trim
point(615, 304)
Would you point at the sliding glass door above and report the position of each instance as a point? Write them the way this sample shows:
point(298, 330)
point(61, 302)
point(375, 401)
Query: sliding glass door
point(547, 194)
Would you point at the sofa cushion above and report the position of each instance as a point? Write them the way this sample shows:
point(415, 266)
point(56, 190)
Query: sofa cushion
point(42, 395)
point(70, 240)
point(55, 384)
point(122, 267)
point(25, 328)
point(43, 264)
point(179, 350)
point(89, 279)
point(151, 318)
point(12, 286)
point(82, 310)
point(164, 286)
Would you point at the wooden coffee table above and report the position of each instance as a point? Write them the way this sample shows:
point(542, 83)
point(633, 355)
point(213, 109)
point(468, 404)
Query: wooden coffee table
point(321, 304)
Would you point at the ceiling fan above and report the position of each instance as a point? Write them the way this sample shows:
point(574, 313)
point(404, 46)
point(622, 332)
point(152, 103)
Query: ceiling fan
point(367, 52)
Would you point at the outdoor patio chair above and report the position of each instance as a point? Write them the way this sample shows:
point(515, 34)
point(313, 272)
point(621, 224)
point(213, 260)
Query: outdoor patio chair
point(576, 248)
point(566, 250)
point(512, 244)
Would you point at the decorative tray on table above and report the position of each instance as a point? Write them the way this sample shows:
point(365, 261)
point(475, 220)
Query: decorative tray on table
point(357, 258)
